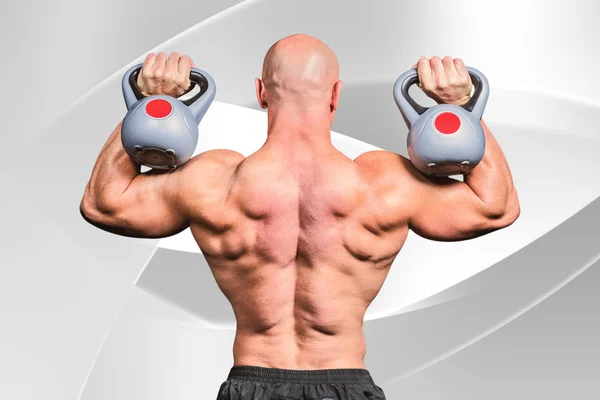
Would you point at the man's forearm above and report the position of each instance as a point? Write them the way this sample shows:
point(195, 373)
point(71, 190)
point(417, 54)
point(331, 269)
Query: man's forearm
point(491, 180)
point(112, 174)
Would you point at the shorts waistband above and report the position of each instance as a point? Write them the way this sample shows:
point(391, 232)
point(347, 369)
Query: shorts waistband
point(307, 377)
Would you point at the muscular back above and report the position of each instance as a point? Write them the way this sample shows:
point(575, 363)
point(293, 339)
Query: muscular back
point(300, 245)
point(299, 237)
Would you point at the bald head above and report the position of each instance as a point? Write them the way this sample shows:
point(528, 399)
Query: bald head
point(299, 69)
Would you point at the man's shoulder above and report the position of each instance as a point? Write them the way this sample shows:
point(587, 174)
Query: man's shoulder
point(222, 157)
point(212, 167)
point(379, 163)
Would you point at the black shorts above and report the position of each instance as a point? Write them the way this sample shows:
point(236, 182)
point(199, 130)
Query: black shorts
point(259, 383)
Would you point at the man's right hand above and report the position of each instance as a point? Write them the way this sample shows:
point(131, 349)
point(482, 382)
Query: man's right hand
point(446, 81)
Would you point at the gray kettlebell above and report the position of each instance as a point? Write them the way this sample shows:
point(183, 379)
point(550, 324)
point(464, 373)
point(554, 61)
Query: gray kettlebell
point(160, 131)
point(445, 139)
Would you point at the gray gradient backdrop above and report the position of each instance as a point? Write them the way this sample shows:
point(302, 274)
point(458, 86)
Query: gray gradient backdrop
point(88, 315)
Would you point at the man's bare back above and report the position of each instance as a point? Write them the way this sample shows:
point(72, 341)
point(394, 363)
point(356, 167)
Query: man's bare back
point(300, 244)
point(299, 237)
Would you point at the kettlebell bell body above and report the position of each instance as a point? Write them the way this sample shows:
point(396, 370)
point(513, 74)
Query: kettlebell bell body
point(445, 139)
point(160, 131)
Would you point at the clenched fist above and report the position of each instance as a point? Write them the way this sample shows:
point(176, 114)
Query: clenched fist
point(162, 75)
point(445, 81)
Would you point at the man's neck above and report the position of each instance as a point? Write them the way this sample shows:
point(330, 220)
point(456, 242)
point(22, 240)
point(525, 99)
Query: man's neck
point(291, 127)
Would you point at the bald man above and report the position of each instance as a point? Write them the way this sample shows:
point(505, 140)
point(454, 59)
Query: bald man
point(299, 237)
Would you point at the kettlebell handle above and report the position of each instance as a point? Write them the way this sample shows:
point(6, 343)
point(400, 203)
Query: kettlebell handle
point(198, 103)
point(411, 110)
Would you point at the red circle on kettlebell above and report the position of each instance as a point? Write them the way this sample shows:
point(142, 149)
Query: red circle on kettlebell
point(158, 108)
point(447, 123)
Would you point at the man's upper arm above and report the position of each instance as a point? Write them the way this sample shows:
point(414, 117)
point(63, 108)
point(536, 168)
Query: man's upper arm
point(159, 203)
point(442, 209)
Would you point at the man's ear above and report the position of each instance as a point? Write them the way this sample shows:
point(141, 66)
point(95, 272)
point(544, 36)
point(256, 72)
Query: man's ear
point(260, 93)
point(335, 95)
